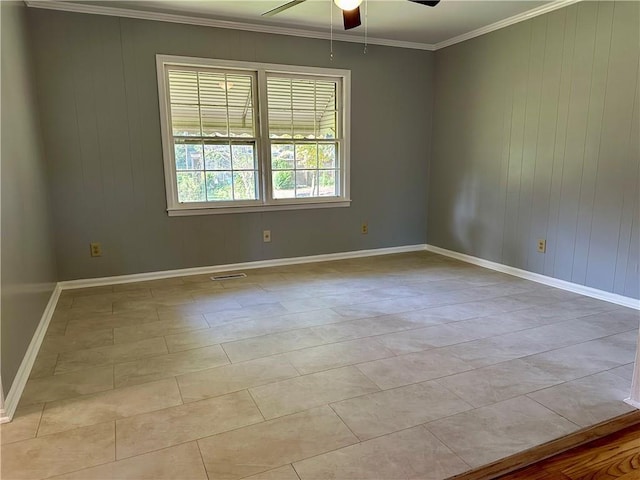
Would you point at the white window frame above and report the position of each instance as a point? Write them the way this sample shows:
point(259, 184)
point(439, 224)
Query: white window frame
point(261, 71)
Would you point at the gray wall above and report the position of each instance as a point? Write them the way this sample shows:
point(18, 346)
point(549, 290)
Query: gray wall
point(28, 268)
point(536, 136)
point(98, 91)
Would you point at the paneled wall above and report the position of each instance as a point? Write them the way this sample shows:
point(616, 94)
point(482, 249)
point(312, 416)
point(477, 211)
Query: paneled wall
point(99, 107)
point(28, 266)
point(536, 136)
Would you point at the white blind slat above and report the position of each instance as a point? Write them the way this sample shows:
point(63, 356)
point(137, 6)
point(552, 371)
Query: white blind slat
point(301, 108)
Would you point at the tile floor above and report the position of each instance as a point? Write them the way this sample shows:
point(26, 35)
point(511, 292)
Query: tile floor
point(400, 366)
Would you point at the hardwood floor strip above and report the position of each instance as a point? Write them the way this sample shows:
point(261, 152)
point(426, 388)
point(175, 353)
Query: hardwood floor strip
point(629, 476)
point(550, 449)
point(622, 461)
point(567, 462)
point(622, 464)
point(609, 458)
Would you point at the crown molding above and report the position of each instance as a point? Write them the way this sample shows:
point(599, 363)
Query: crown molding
point(550, 7)
point(211, 22)
point(295, 32)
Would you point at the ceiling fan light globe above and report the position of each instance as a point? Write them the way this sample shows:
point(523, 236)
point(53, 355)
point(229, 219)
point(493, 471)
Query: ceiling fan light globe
point(347, 4)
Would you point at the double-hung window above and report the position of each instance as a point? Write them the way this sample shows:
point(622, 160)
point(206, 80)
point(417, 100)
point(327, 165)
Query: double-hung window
point(241, 136)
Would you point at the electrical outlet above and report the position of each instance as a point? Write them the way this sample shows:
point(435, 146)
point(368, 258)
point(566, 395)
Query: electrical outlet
point(365, 229)
point(542, 245)
point(266, 236)
point(96, 249)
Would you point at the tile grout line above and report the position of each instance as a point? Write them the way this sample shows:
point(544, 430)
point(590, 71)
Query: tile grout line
point(55, 364)
point(295, 471)
point(452, 450)
point(39, 421)
point(115, 440)
point(223, 350)
point(436, 381)
point(256, 404)
point(166, 344)
point(179, 392)
point(344, 423)
point(554, 412)
point(613, 368)
point(204, 465)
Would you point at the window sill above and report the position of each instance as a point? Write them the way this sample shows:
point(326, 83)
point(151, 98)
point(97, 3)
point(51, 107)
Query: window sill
point(182, 212)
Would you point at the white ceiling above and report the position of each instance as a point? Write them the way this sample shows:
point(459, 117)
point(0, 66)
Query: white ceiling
point(394, 20)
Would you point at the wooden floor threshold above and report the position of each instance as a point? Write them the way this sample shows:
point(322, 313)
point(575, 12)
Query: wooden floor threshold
point(550, 449)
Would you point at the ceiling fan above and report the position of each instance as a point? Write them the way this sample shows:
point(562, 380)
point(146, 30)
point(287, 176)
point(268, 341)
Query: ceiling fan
point(350, 10)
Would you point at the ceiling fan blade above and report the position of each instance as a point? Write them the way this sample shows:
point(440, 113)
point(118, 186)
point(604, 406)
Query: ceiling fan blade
point(282, 8)
point(428, 4)
point(351, 18)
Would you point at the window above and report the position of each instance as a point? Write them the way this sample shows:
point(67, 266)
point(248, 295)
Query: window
point(241, 136)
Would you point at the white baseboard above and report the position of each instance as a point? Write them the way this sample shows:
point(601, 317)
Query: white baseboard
point(3, 414)
point(19, 382)
point(632, 403)
point(536, 277)
point(277, 262)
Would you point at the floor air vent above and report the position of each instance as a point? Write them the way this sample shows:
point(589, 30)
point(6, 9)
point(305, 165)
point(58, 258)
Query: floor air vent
point(231, 276)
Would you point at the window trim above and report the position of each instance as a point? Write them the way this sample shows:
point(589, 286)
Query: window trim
point(266, 201)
